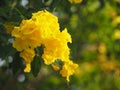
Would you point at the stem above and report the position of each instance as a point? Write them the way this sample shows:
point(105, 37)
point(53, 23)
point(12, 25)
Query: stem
point(42, 75)
point(56, 5)
point(9, 85)
point(11, 81)
point(21, 15)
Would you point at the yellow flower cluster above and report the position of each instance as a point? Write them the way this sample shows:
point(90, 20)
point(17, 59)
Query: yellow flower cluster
point(75, 1)
point(43, 29)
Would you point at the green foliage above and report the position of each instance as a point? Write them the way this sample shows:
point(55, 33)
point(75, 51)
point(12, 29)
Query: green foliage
point(36, 65)
point(16, 65)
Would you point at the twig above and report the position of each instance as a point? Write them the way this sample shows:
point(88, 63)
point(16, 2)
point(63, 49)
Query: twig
point(40, 78)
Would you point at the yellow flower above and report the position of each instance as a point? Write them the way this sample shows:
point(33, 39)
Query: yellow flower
point(9, 27)
point(56, 47)
point(117, 34)
point(20, 44)
point(55, 67)
point(68, 69)
point(27, 35)
point(47, 23)
point(65, 36)
point(116, 21)
point(27, 55)
point(27, 68)
point(75, 1)
point(102, 48)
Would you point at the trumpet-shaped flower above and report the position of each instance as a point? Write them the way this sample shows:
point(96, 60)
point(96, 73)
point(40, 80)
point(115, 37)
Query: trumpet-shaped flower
point(68, 69)
point(9, 27)
point(57, 48)
point(27, 55)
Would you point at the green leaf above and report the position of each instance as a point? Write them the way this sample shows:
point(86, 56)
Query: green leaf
point(36, 65)
point(17, 63)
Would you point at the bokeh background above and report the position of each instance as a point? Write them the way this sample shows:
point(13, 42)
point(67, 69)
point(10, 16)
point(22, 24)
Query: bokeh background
point(94, 26)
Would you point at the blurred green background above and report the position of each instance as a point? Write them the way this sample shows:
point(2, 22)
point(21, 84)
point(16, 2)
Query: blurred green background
point(94, 26)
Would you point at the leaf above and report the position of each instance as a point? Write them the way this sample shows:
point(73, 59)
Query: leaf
point(36, 65)
point(17, 63)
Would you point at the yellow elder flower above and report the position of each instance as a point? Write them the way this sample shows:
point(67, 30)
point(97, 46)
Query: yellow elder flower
point(68, 69)
point(47, 23)
point(65, 36)
point(27, 68)
point(117, 34)
point(102, 48)
point(20, 44)
point(9, 27)
point(116, 21)
point(27, 35)
point(57, 48)
point(75, 1)
point(28, 56)
point(55, 67)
